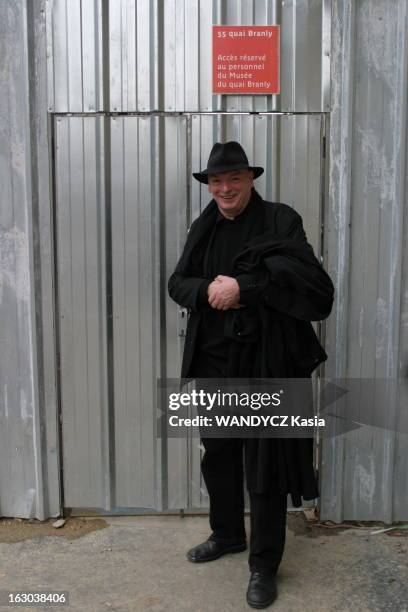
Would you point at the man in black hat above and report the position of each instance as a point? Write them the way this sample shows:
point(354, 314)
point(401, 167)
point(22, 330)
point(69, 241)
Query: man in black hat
point(252, 286)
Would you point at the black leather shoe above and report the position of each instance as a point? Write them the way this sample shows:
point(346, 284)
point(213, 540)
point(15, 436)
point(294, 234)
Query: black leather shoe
point(262, 589)
point(211, 550)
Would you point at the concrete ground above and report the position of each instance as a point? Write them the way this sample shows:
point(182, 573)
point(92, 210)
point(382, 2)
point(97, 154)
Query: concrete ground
point(138, 564)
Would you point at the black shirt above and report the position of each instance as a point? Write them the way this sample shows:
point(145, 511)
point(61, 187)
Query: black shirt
point(226, 240)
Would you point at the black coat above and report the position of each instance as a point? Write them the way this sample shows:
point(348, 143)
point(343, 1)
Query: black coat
point(278, 271)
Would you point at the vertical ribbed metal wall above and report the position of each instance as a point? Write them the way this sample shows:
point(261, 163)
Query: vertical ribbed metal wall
point(129, 56)
point(126, 181)
point(29, 453)
point(122, 203)
point(365, 473)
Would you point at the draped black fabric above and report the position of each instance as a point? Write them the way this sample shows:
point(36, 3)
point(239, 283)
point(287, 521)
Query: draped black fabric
point(285, 288)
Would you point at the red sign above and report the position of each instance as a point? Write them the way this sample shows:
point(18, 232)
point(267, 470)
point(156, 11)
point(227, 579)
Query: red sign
point(246, 59)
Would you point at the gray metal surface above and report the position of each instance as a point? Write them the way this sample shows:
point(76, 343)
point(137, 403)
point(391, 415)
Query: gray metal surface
point(364, 473)
point(82, 291)
point(29, 454)
point(136, 285)
point(139, 56)
point(124, 201)
point(148, 55)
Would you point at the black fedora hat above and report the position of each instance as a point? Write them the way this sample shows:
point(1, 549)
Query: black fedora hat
point(225, 158)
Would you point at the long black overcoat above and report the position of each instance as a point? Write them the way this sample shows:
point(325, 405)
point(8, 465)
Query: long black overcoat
point(278, 272)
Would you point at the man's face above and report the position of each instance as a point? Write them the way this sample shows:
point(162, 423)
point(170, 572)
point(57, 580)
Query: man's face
point(231, 191)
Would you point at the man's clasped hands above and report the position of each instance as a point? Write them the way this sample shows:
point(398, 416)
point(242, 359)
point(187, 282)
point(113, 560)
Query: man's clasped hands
point(223, 293)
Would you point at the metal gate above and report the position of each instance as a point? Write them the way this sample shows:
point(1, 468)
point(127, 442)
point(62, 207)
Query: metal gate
point(125, 198)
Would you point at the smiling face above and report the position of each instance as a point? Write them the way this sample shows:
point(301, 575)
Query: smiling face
point(231, 191)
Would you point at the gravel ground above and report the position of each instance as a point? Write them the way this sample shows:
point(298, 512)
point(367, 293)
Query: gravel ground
point(138, 564)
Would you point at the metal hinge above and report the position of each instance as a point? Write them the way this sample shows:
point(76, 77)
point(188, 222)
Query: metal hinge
point(183, 312)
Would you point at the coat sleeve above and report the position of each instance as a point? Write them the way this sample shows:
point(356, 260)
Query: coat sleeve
point(294, 285)
point(185, 289)
point(188, 291)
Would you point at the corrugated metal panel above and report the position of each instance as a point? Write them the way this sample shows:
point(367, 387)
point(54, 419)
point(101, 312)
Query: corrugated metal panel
point(139, 56)
point(136, 286)
point(82, 292)
point(132, 48)
point(174, 195)
point(125, 198)
point(365, 472)
point(29, 466)
point(75, 57)
point(148, 55)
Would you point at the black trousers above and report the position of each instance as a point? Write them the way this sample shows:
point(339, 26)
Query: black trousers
point(223, 472)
